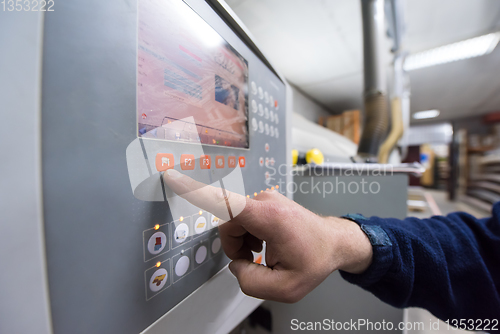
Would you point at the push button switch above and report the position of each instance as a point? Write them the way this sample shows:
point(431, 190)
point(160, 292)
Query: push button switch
point(205, 162)
point(231, 162)
point(241, 161)
point(187, 161)
point(219, 161)
point(164, 161)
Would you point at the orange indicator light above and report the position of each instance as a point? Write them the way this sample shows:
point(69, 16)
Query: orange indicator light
point(272, 188)
point(158, 264)
point(255, 194)
point(262, 191)
point(201, 212)
point(157, 226)
point(181, 219)
point(248, 196)
point(277, 187)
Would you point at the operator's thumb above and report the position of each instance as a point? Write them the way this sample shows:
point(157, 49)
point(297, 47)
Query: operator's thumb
point(255, 280)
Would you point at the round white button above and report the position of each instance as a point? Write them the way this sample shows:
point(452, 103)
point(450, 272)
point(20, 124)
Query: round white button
point(266, 113)
point(261, 161)
point(254, 106)
point(267, 128)
point(182, 266)
point(266, 147)
point(157, 243)
point(261, 110)
point(271, 131)
point(276, 119)
point(181, 233)
point(276, 133)
point(216, 245)
point(255, 126)
point(261, 93)
point(261, 126)
point(271, 116)
point(158, 280)
point(214, 221)
point(201, 254)
point(271, 101)
point(254, 88)
point(266, 97)
point(200, 225)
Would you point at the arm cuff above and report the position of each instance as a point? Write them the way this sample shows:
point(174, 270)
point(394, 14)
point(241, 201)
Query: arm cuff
point(382, 252)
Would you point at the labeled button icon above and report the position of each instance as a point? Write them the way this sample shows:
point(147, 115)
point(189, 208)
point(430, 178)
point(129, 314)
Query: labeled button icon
point(187, 161)
point(164, 161)
point(200, 225)
point(158, 280)
point(214, 221)
point(181, 233)
point(241, 161)
point(231, 162)
point(219, 161)
point(157, 243)
point(205, 162)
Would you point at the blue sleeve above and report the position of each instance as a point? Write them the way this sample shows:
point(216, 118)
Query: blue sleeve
point(449, 265)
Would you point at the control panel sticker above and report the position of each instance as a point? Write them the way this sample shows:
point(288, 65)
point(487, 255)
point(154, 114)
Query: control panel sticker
point(182, 264)
point(157, 278)
point(181, 231)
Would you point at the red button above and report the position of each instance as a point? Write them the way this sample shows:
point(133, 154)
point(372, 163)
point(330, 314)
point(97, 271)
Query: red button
point(187, 162)
point(219, 161)
point(266, 147)
point(205, 161)
point(164, 161)
point(241, 161)
point(231, 162)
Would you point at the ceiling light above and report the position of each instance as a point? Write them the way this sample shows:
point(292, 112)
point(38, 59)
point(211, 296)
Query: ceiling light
point(469, 48)
point(426, 114)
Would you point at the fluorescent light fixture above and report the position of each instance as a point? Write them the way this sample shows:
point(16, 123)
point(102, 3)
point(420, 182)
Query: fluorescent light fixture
point(426, 114)
point(469, 48)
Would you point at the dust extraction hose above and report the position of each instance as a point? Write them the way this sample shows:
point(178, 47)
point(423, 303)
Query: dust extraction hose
point(376, 123)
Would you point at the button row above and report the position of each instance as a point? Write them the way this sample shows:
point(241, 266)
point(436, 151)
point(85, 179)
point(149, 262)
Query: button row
point(262, 127)
point(264, 95)
point(166, 161)
point(265, 112)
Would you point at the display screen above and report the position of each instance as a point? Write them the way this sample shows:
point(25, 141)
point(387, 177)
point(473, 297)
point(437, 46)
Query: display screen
point(186, 70)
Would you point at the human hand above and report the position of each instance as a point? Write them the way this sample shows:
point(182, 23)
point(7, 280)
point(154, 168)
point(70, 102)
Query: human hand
point(302, 248)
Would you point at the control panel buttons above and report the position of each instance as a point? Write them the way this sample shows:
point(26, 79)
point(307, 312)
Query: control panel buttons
point(157, 243)
point(271, 116)
point(254, 88)
point(276, 133)
point(261, 110)
point(241, 161)
point(182, 265)
point(200, 225)
point(276, 104)
point(266, 97)
point(255, 125)
point(219, 161)
point(261, 161)
point(254, 106)
point(231, 162)
point(266, 128)
point(271, 100)
point(158, 280)
point(266, 147)
point(261, 126)
point(201, 254)
point(205, 161)
point(164, 161)
point(266, 113)
point(214, 221)
point(267, 161)
point(261, 93)
point(271, 130)
point(181, 233)
point(187, 161)
point(276, 118)
point(216, 245)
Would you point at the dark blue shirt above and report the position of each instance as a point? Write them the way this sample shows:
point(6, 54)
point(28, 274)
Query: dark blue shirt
point(449, 265)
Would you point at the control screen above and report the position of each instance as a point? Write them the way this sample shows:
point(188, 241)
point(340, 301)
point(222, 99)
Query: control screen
point(186, 69)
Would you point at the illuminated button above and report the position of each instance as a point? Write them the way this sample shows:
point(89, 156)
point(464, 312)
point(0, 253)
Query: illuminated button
point(276, 133)
point(271, 131)
point(216, 245)
point(266, 97)
point(255, 125)
point(205, 161)
point(261, 93)
point(261, 110)
point(266, 113)
point(267, 161)
point(201, 254)
point(254, 88)
point(261, 161)
point(158, 280)
point(181, 233)
point(261, 127)
point(157, 243)
point(266, 147)
point(164, 161)
point(272, 161)
point(276, 118)
point(182, 266)
point(214, 221)
point(219, 161)
point(266, 127)
point(276, 104)
point(241, 161)
point(200, 225)
point(271, 116)
point(231, 162)
point(254, 106)
point(187, 161)
point(271, 101)
point(267, 175)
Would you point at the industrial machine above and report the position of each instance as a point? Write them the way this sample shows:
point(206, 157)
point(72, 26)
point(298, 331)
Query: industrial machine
point(113, 94)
